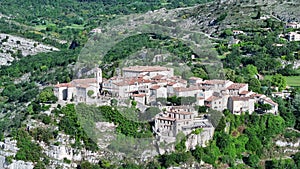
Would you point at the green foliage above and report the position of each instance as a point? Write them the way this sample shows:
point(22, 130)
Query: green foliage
point(90, 93)
point(281, 163)
point(133, 103)
point(28, 151)
point(80, 11)
point(132, 44)
point(279, 81)
point(124, 125)
point(47, 95)
point(222, 124)
point(214, 117)
point(211, 153)
point(227, 33)
point(221, 17)
point(149, 113)
point(296, 158)
point(9, 159)
point(254, 85)
point(67, 161)
point(285, 110)
point(254, 144)
point(202, 109)
point(42, 134)
point(181, 100)
point(174, 159)
point(113, 102)
point(197, 131)
point(252, 160)
point(180, 142)
point(88, 165)
point(250, 70)
point(200, 72)
point(233, 59)
point(70, 125)
point(104, 164)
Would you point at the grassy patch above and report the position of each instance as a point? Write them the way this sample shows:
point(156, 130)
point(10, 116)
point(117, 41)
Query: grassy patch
point(75, 26)
point(292, 80)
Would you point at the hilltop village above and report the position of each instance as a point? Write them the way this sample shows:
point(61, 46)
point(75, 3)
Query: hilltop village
point(152, 85)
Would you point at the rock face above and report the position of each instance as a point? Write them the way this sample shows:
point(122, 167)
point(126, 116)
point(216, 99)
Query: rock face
point(20, 165)
point(9, 148)
point(12, 47)
point(199, 139)
point(288, 144)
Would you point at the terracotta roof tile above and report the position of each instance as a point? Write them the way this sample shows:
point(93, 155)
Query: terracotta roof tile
point(212, 98)
point(139, 95)
point(238, 98)
point(236, 86)
point(64, 85)
point(155, 87)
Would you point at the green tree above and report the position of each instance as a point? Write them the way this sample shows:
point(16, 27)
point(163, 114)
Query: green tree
point(222, 124)
point(255, 85)
point(279, 81)
point(254, 144)
point(252, 160)
point(250, 70)
point(47, 95)
point(90, 93)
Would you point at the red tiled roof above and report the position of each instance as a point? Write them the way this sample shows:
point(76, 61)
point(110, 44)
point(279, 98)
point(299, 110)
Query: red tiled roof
point(155, 87)
point(84, 81)
point(83, 85)
point(158, 77)
point(63, 85)
point(211, 82)
point(195, 78)
point(181, 112)
point(184, 89)
point(256, 95)
point(212, 98)
point(139, 95)
point(238, 98)
point(270, 101)
point(236, 86)
point(244, 92)
point(171, 83)
point(131, 81)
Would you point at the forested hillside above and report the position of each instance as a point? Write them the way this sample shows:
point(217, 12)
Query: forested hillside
point(261, 56)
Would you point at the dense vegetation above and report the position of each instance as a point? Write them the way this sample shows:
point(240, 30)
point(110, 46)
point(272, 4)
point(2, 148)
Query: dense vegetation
point(247, 140)
point(67, 12)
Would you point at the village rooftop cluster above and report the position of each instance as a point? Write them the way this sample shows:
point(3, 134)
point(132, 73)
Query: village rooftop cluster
point(148, 85)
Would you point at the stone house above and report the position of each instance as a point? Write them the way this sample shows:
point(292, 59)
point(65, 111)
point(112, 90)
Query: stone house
point(135, 71)
point(182, 119)
point(77, 90)
point(293, 36)
point(238, 105)
point(236, 89)
point(293, 25)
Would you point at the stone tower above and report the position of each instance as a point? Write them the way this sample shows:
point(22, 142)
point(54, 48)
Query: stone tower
point(98, 76)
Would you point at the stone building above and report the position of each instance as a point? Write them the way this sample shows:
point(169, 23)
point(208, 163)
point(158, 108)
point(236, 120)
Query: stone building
point(293, 36)
point(78, 89)
point(151, 71)
point(238, 105)
point(183, 119)
point(293, 25)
